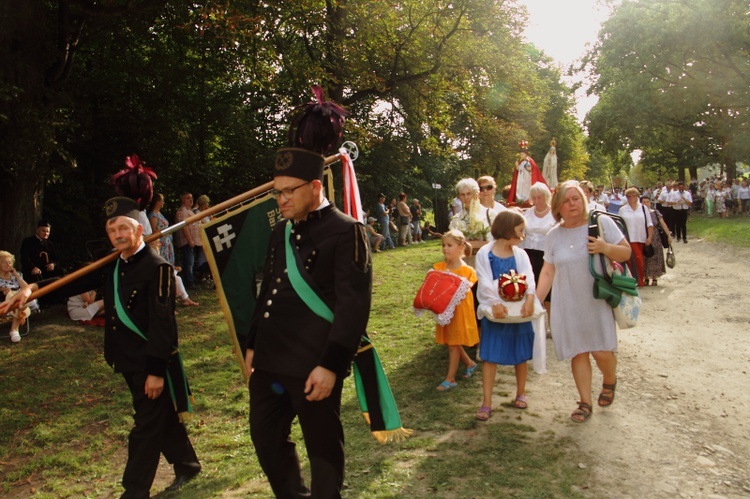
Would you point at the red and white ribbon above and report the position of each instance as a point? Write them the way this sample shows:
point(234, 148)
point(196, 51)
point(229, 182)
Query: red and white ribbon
point(352, 201)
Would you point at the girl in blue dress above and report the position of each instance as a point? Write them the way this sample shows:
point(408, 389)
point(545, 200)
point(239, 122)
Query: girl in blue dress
point(504, 343)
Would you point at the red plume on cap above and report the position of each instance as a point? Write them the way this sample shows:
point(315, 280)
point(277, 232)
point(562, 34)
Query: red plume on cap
point(524, 144)
point(317, 126)
point(134, 181)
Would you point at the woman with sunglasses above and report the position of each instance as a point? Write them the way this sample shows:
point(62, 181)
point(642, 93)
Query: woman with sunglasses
point(487, 192)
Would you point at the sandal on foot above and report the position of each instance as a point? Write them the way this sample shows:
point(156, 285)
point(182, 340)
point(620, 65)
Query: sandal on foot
point(470, 371)
point(583, 413)
point(521, 402)
point(606, 399)
point(446, 385)
point(484, 413)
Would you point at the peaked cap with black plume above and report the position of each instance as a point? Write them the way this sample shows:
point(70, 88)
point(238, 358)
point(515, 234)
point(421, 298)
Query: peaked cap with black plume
point(315, 130)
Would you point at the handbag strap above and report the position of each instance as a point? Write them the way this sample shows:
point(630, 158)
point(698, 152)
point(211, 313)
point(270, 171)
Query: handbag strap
point(645, 221)
point(593, 220)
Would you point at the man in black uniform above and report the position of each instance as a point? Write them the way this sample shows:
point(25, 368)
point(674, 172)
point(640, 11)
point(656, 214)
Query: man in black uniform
point(298, 359)
point(38, 257)
point(139, 341)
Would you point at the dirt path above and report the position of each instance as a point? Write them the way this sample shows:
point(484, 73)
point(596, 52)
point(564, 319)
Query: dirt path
point(680, 425)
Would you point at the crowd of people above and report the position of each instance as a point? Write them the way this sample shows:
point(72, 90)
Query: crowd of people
point(39, 260)
point(400, 223)
point(315, 297)
point(549, 243)
point(722, 197)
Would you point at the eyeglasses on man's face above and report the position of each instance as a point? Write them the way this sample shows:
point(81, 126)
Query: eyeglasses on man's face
point(287, 193)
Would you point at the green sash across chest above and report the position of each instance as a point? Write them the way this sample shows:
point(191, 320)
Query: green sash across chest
point(374, 394)
point(177, 382)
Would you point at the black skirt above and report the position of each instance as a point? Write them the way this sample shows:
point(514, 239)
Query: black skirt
point(537, 262)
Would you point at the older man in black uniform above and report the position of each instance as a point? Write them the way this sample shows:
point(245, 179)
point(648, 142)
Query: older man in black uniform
point(139, 341)
point(297, 358)
point(38, 257)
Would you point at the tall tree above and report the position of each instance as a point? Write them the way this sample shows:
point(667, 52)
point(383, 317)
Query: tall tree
point(201, 90)
point(674, 76)
point(38, 44)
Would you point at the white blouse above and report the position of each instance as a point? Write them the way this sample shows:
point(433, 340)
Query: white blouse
point(537, 229)
point(636, 220)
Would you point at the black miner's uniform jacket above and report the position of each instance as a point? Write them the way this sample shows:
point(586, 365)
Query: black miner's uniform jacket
point(287, 337)
point(147, 291)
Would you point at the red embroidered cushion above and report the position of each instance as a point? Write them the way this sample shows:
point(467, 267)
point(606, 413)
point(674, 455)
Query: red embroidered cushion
point(439, 294)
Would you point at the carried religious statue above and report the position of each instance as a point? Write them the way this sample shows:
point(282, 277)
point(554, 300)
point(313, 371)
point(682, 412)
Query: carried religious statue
point(525, 174)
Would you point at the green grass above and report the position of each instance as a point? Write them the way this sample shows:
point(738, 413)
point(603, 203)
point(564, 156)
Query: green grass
point(65, 416)
point(734, 230)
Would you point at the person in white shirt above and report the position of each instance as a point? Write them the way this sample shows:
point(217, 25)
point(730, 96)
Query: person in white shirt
point(655, 196)
point(640, 229)
point(710, 199)
point(601, 197)
point(591, 197)
point(736, 204)
point(665, 208)
point(680, 200)
point(744, 197)
point(538, 222)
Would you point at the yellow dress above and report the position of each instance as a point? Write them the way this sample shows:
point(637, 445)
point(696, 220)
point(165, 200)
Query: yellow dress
point(462, 329)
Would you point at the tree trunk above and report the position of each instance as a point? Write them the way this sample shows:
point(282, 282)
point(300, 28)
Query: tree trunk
point(20, 208)
point(693, 171)
point(26, 118)
point(731, 166)
point(442, 214)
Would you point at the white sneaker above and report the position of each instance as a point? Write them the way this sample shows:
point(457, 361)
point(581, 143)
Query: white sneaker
point(15, 337)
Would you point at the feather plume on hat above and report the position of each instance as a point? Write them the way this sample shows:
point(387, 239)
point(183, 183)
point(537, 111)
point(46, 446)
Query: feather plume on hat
point(317, 125)
point(135, 181)
point(315, 130)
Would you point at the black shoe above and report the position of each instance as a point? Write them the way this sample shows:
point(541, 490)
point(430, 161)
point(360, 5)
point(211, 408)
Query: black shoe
point(183, 476)
point(684, 241)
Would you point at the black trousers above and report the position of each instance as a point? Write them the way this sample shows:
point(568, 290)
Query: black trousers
point(274, 402)
point(536, 257)
point(157, 431)
point(668, 213)
point(680, 224)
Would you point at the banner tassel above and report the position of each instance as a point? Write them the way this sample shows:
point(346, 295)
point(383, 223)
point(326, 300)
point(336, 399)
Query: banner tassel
point(375, 397)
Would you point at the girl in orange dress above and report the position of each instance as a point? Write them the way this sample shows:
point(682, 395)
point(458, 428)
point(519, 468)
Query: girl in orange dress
point(462, 330)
